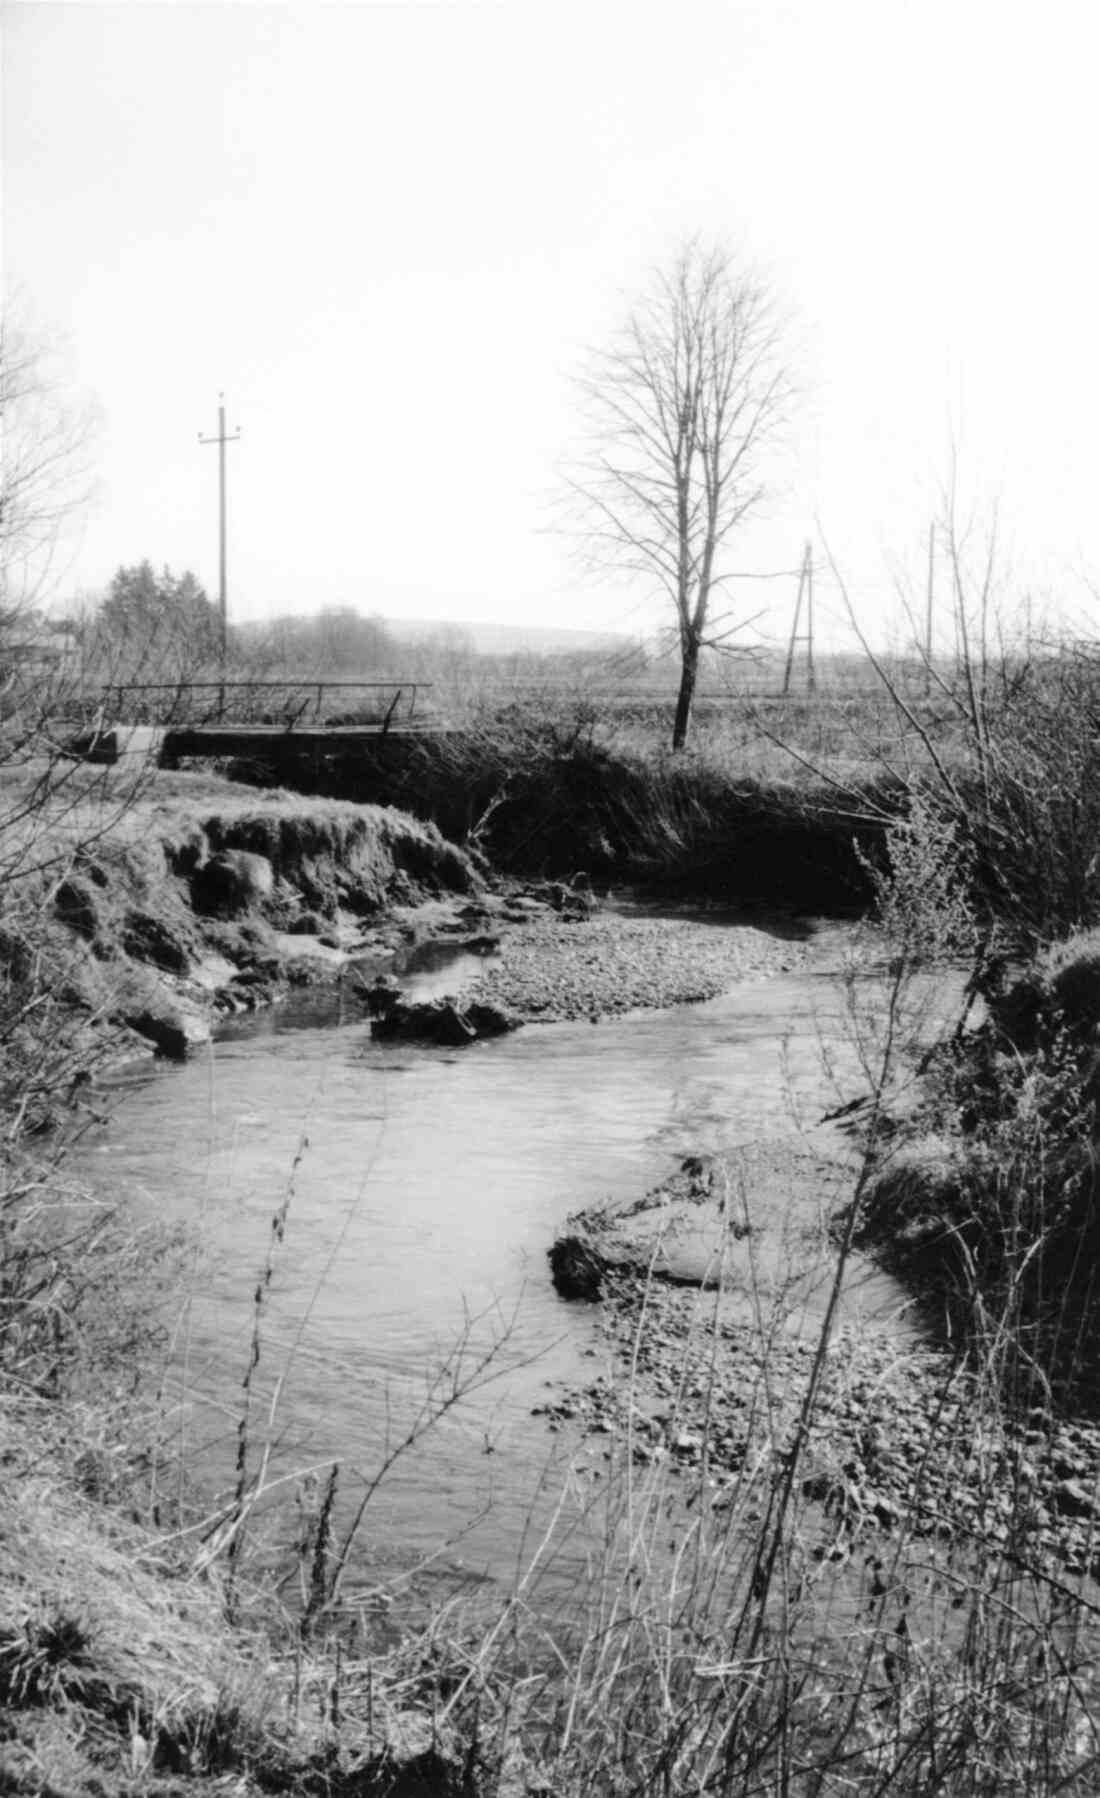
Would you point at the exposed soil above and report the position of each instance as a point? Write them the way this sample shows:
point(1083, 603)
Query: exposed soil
point(156, 911)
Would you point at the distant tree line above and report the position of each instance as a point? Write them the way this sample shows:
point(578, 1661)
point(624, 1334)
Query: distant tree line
point(152, 627)
point(155, 627)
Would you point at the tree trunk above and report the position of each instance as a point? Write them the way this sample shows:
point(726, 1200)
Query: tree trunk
point(689, 669)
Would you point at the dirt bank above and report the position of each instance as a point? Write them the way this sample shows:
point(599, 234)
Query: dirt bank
point(543, 795)
point(154, 912)
point(194, 897)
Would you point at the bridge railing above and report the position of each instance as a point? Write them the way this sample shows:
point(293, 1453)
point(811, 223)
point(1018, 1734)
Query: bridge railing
point(284, 703)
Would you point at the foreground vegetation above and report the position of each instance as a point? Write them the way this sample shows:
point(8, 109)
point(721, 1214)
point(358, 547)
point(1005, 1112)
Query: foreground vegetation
point(791, 1638)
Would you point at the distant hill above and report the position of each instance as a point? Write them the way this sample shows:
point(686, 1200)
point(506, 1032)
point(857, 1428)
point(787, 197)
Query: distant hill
point(511, 639)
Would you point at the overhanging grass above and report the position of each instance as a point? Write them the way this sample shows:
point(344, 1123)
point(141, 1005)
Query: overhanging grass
point(547, 800)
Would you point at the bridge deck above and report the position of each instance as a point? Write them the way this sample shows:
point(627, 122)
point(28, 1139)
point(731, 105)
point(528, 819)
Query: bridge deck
point(168, 744)
point(267, 739)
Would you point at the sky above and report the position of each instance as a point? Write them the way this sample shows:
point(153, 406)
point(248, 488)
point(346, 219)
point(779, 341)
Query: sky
point(390, 232)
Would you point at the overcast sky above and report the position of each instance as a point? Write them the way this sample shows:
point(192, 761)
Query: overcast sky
point(387, 232)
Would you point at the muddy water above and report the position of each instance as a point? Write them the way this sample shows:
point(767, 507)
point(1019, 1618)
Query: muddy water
point(416, 1192)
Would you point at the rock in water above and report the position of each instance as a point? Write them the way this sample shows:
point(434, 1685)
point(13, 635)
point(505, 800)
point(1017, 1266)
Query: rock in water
point(577, 1268)
point(175, 1030)
point(451, 1028)
point(490, 1020)
point(438, 1021)
point(381, 998)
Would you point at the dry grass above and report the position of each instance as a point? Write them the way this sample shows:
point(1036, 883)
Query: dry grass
point(89, 1622)
point(118, 1664)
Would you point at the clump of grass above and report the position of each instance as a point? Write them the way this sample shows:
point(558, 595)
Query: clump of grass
point(996, 1216)
point(88, 1620)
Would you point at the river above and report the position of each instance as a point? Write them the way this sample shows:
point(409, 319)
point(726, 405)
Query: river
point(417, 1191)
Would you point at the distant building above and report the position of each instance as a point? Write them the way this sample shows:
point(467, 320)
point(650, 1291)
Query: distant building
point(33, 645)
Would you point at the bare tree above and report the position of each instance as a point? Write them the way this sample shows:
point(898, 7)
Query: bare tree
point(680, 409)
point(45, 469)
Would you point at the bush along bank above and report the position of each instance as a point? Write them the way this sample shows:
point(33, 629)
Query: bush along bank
point(987, 1196)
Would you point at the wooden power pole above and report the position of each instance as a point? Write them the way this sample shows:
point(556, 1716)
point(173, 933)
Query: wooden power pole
point(929, 604)
point(805, 597)
point(223, 590)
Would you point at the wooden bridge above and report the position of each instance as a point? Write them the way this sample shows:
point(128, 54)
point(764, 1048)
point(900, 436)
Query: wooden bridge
point(265, 720)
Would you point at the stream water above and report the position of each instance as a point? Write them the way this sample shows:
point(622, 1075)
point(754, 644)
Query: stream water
point(417, 1191)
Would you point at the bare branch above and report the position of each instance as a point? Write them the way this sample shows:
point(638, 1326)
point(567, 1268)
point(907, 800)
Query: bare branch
point(44, 467)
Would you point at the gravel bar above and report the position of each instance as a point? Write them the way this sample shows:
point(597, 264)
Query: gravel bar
point(903, 1442)
point(554, 968)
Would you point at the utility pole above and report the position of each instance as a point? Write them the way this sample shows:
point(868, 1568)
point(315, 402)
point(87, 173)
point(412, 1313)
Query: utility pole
point(805, 593)
point(223, 592)
point(811, 672)
point(929, 602)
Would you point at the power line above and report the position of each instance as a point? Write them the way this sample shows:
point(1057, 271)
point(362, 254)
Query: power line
point(763, 574)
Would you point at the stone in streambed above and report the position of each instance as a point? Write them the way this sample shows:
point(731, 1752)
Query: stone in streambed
point(402, 1022)
point(452, 1029)
point(381, 996)
point(491, 1020)
point(175, 1031)
point(439, 1021)
point(577, 1268)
